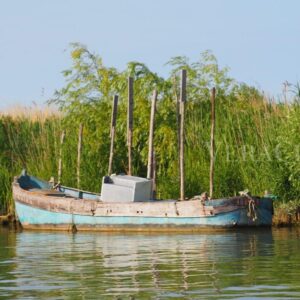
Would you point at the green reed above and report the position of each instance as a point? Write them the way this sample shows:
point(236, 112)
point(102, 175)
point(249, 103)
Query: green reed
point(257, 140)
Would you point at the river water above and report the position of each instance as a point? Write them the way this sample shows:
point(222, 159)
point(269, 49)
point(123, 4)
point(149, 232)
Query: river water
point(243, 264)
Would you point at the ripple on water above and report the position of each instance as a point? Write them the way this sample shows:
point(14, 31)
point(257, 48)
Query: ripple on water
point(241, 264)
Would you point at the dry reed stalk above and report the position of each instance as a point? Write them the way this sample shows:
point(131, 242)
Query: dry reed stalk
point(33, 113)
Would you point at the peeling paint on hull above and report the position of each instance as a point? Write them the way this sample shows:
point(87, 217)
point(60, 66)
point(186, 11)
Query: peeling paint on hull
point(39, 206)
point(35, 218)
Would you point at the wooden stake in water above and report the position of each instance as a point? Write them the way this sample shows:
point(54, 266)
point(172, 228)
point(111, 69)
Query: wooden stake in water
point(130, 123)
point(151, 135)
point(212, 143)
point(79, 148)
point(182, 137)
point(112, 132)
point(62, 139)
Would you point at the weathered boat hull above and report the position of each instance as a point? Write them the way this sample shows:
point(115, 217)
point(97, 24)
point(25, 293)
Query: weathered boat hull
point(69, 211)
point(31, 217)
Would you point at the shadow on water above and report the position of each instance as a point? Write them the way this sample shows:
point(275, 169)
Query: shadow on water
point(246, 263)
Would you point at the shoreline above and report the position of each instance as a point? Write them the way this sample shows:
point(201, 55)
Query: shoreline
point(9, 220)
point(282, 218)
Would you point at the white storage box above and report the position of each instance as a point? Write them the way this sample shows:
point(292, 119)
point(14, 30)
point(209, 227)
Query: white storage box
point(124, 188)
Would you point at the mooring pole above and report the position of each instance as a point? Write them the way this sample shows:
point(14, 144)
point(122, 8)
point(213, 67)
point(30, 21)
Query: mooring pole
point(62, 139)
point(177, 98)
point(79, 148)
point(178, 120)
point(182, 137)
point(130, 123)
point(112, 132)
point(212, 143)
point(151, 135)
point(154, 177)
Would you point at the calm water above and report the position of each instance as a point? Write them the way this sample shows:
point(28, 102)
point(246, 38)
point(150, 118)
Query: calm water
point(241, 264)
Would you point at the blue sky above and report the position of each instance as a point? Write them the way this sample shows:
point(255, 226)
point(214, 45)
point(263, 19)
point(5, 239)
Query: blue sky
point(259, 39)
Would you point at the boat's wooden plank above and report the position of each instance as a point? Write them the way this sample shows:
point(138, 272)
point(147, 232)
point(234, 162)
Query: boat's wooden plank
point(48, 192)
point(70, 205)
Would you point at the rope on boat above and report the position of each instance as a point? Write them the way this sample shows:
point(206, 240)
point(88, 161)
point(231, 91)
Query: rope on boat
point(176, 209)
point(73, 228)
point(52, 183)
point(56, 186)
point(252, 210)
point(251, 206)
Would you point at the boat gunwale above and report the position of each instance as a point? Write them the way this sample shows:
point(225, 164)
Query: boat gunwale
point(90, 207)
point(210, 201)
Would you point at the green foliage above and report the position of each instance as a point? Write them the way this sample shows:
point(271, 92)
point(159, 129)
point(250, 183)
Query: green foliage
point(289, 153)
point(292, 206)
point(257, 141)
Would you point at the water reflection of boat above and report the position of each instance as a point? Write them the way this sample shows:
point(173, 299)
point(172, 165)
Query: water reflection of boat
point(125, 204)
point(114, 264)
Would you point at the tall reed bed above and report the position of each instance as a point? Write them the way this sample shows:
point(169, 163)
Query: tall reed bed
point(27, 142)
point(246, 144)
point(257, 140)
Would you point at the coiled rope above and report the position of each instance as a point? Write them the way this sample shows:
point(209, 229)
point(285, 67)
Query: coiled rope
point(251, 206)
point(252, 210)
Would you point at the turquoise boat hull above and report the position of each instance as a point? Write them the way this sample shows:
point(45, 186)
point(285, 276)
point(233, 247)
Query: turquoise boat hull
point(69, 209)
point(32, 217)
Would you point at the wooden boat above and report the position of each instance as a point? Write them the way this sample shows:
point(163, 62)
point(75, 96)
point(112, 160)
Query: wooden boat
point(125, 204)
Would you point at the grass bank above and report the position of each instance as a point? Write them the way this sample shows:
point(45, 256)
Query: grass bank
point(287, 214)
